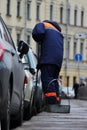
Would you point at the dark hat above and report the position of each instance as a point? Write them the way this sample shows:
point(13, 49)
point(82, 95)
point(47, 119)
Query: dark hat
point(54, 24)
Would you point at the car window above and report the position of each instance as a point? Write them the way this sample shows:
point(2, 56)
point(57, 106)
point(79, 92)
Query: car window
point(1, 30)
point(25, 62)
point(0, 34)
point(4, 33)
point(25, 59)
point(31, 59)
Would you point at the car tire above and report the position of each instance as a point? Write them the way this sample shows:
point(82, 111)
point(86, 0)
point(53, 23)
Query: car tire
point(32, 104)
point(39, 99)
point(27, 115)
point(5, 122)
point(30, 110)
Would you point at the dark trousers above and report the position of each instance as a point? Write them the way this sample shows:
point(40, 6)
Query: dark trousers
point(48, 73)
point(76, 92)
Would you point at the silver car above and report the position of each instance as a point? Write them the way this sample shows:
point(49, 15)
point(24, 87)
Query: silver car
point(33, 90)
point(12, 78)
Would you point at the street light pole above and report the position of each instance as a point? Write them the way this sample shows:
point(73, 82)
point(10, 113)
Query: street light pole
point(25, 22)
point(67, 22)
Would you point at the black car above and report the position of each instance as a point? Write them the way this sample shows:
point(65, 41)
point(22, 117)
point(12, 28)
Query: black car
point(12, 78)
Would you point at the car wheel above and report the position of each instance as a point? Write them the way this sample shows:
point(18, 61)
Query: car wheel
point(5, 122)
point(32, 104)
point(39, 99)
point(30, 110)
point(27, 114)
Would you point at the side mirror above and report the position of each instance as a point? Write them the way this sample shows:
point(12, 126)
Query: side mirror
point(23, 48)
point(32, 71)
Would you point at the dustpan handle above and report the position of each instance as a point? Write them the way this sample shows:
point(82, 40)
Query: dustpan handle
point(38, 55)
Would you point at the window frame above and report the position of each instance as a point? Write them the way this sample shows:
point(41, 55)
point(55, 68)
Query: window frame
point(19, 8)
point(38, 11)
point(28, 10)
point(8, 8)
point(75, 17)
point(61, 14)
point(82, 18)
point(51, 11)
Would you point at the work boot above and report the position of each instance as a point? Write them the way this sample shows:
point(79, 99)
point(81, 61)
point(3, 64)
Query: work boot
point(50, 100)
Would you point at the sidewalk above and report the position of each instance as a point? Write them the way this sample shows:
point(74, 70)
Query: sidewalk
point(75, 120)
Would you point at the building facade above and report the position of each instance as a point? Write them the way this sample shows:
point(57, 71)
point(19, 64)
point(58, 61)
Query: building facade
point(21, 16)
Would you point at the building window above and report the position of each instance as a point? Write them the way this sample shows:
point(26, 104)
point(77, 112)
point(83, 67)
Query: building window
point(28, 39)
point(51, 12)
point(82, 18)
point(74, 80)
point(18, 37)
point(18, 8)
point(68, 49)
point(38, 12)
point(28, 10)
point(8, 7)
point(75, 17)
point(68, 18)
point(81, 48)
point(61, 14)
point(74, 49)
point(67, 81)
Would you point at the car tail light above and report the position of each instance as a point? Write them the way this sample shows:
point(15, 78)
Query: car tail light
point(26, 80)
point(1, 52)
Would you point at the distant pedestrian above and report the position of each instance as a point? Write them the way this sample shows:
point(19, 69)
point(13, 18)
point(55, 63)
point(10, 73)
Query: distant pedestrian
point(48, 34)
point(76, 87)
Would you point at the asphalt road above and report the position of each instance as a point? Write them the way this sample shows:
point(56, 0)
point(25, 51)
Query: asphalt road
point(75, 120)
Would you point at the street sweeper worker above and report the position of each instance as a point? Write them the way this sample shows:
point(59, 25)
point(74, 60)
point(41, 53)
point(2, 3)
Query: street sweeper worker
point(48, 35)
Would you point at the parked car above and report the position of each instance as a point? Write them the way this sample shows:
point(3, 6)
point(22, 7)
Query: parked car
point(12, 78)
point(33, 90)
point(66, 92)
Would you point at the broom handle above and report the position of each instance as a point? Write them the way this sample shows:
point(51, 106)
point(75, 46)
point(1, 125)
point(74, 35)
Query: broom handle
point(37, 67)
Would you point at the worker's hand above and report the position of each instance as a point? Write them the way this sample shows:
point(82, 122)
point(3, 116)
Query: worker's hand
point(38, 66)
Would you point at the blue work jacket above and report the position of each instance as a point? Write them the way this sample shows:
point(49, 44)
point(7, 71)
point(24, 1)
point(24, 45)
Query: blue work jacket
point(51, 41)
